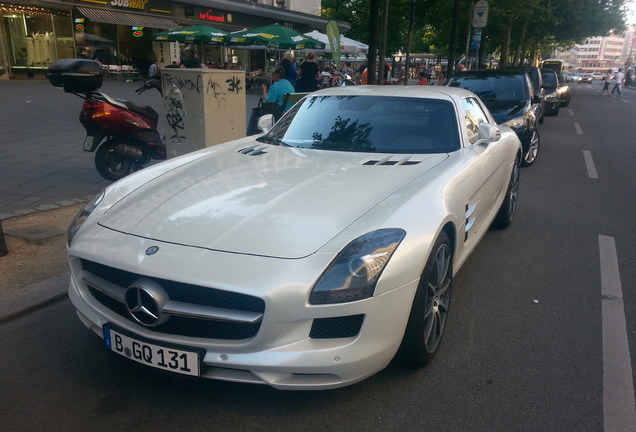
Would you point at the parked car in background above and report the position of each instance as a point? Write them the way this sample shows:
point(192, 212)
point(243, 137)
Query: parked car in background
point(597, 75)
point(537, 84)
point(585, 79)
point(510, 98)
point(551, 87)
point(563, 90)
point(307, 257)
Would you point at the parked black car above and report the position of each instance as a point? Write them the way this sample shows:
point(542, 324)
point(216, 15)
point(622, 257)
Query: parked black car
point(537, 84)
point(509, 96)
point(564, 90)
point(551, 87)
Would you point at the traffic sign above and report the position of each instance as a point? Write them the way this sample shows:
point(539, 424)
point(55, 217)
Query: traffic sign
point(480, 14)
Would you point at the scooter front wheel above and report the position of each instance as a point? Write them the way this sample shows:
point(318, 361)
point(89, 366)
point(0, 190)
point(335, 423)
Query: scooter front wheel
point(109, 163)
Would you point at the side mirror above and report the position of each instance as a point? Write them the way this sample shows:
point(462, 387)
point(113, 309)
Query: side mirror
point(488, 133)
point(265, 122)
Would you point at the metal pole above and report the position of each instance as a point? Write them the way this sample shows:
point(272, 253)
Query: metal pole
point(469, 34)
point(3, 243)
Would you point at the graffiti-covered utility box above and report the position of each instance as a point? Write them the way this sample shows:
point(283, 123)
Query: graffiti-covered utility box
point(204, 107)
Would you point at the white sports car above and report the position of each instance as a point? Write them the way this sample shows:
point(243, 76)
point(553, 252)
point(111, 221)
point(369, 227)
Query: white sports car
point(305, 258)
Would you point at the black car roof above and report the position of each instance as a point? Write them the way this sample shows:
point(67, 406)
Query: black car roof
point(483, 73)
point(490, 72)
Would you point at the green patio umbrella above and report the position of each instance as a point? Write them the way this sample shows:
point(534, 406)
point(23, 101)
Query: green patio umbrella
point(198, 34)
point(274, 37)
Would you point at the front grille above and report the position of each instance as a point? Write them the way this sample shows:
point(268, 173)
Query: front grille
point(186, 293)
point(338, 327)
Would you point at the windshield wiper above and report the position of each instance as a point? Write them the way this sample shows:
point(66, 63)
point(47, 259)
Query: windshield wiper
point(272, 140)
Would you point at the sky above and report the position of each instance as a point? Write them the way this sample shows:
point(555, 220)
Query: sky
point(632, 15)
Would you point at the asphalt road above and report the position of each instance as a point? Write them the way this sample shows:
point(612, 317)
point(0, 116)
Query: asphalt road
point(532, 342)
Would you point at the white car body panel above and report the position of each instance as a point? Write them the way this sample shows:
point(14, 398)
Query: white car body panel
point(226, 203)
point(267, 225)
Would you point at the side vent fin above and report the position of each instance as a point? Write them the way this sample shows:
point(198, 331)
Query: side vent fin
point(256, 150)
point(388, 161)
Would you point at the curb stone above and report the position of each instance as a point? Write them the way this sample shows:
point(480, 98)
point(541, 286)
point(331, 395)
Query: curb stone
point(46, 207)
point(28, 299)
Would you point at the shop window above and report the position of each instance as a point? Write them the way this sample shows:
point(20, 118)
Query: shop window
point(31, 35)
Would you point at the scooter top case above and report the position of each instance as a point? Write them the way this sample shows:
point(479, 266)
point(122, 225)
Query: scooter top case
point(76, 75)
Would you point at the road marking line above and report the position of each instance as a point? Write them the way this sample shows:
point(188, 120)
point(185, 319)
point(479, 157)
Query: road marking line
point(618, 389)
point(571, 112)
point(578, 128)
point(589, 164)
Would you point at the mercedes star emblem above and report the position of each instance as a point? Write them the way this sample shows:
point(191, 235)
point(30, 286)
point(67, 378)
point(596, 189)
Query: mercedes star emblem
point(145, 300)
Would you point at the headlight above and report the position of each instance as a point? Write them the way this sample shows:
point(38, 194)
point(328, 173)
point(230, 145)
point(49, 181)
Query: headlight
point(353, 274)
point(81, 217)
point(516, 123)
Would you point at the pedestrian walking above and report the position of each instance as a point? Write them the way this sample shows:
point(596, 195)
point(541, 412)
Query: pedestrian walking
point(629, 77)
point(153, 71)
point(429, 72)
point(619, 82)
point(607, 77)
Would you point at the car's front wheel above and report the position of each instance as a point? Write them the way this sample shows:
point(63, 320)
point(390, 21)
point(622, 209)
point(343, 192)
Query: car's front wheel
point(531, 148)
point(555, 111)
point(566, 101)
point(509, 204)
point(430, 307)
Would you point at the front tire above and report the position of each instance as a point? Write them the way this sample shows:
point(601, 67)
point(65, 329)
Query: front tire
point(555, 111)
point(509, 204)
point(109, 163)
point(430, 307)
point(531, 148)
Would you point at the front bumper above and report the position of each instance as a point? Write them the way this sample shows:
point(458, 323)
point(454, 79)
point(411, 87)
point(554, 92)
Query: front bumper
point(285, 352)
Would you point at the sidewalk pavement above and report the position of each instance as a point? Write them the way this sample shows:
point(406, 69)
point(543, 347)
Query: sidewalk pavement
point(42, 165)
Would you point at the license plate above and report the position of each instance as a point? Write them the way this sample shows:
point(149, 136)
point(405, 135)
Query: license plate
point(88, 143)
point(157, 356)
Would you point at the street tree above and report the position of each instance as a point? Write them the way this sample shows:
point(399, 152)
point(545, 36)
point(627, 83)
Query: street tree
point(518, 30)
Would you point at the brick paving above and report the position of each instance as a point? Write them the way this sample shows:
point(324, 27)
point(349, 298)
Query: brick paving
point(42, 165)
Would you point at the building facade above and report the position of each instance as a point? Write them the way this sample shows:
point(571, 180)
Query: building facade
point(33, 34)
point(600, 53)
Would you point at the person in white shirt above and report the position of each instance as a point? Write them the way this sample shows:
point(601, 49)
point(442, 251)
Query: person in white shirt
point(619, 81)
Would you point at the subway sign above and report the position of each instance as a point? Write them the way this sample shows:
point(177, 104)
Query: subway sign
point(130, 4)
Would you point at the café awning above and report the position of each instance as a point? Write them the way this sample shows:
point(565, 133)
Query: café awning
point(127, 18)
point(347, 45)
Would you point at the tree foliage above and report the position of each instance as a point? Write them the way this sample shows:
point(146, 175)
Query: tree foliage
point(519, 30)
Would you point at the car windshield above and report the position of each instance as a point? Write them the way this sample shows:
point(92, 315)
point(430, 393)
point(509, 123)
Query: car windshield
point(374, 124)
point(493, 87)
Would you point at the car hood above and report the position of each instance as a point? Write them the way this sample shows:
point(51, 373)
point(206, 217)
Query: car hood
point(262, 199)
point(502, 111)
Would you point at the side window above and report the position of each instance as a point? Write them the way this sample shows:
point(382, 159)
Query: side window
point(474, 115)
